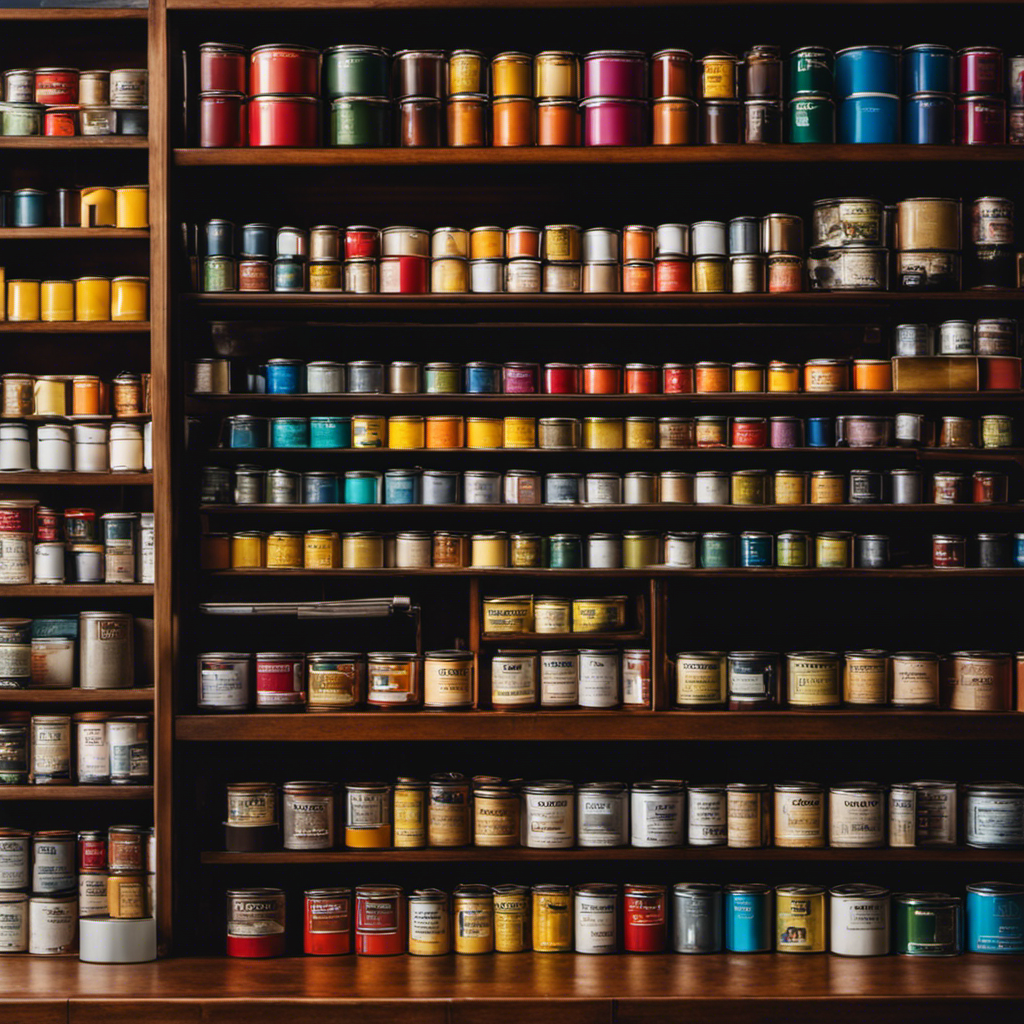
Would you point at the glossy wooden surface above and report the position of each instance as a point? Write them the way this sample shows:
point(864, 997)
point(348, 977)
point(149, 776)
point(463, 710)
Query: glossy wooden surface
point(74, 792)
point(135, 695)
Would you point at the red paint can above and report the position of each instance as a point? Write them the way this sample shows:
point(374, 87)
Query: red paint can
point(255, 922)
point(380, 920)
point(980, 70)
point(92, 851)
point(282, 121)
point(61, 121)
point(642, 379)
point(981, 121)
point(677, 379)
point(223, 122)
point(562, 379)
point(284, 70)
point(361, 241)
point(948, 551)
point(749, 432)
point(328, 922)
point(255, 275)
point(279, 679)
point(222, 67)
point(673, 274)
point(404, 275)
point(48, 523)
point(644, 919)
point(56, 86)
point(999, 373)
point(17, 516)
point(990, 488)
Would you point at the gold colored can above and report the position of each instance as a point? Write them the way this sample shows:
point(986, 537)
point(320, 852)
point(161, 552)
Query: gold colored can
point(598, 614)
point(511, 918)
point(284, 550)
point(473, 907)
point(487, 243)
point(812, 679)
point(451, 550)
point(790, 487)
point(336, 680)
point(449, 275)
point(50, 396)
point(484, 432)
point(827, 487)
point(448, 679)
point(640, 549)
point(495, 816)
point(799, 919)
point(560, 243)
point(865, 677)
point(783, 377)
point(129, 298)
point(749, 487)
point(928, 224)
point(710, 274)
point(18, 395)
point(556, 75)
point(832, 550)
point(467, 72)
point(325, 275)
point(552, 615)
point(603, 432)
point(448, 810)
point(410, 814)
point(98, 207)
point(996, 431)
point(450, 241)
point(369, 431)
point(748, 814)
point(821, 375)
point(407, 432)
point(519, 432)
point(641, 432)
point(92, 298)
point(57, 301)
point(489, 550)
point(718, 77)
point(321, 549)
point(511, 74)
point(132, 205)
point(700, 678)
point(508, 615)
point(747, 377)
point(799, 815)
point(23, 300)
point(552, 919)
point(362, 550)
point(248, 550)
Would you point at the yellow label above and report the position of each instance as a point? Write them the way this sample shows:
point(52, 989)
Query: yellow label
point(511, 913)
point(410, 818)
point(800, 922)
point(865, 681)
point(552, 922)
point(813, 681)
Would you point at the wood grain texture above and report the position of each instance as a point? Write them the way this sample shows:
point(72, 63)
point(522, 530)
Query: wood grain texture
point(73, 234)
point(77, 590)
point(73, 792)
point(99, 698)
point(75, 327)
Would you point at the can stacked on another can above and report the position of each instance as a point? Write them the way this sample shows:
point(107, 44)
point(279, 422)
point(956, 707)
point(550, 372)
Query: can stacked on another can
point(356, 87)
point(867, 89)
point(928, 91)
point(981, 99)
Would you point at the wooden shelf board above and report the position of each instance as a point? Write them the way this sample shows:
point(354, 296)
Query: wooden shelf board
point(562, 726)
point(650, 572)
point(76, 695)
point(597, 156)
point(408, 5)
point(75, 326)
point(73, 792)
point(75, 13)
point(512, 855)
point(78, 479)
point(77, 590)
point(92, 143)
point(70, 234)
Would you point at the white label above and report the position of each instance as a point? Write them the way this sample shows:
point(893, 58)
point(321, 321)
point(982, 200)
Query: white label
point(601, 819)
point(657, 818)
point(708, 821)
point(549, 820)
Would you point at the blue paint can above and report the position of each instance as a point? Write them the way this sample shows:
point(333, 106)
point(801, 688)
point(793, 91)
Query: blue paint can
point(363, 487)
point(744, 236)
point(284, 376)
point(483, 379)
point(29, 208)
point(403, 487)
point(561, 488)
point(246, 431)
point(862, 69)
point(259, 240)
point(330, 432)
point(220, 237)
point(871, 117)
point(748, 918)
point(928, 119)
point(928, 68)
point(756, 549)
point(995, 917)
point(821, 432)
point(289, 432)
point(440, 486)
point(1018, 550)
point(320, 488)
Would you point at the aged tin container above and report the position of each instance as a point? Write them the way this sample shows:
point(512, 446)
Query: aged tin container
point(994, 815)
point(697, 917)
point(552, 918)
point(800, 919)
point(927, 924)
point(856, 815)
point(749, 814)
point(859, 920)
point(707, 815)
point(799, 814)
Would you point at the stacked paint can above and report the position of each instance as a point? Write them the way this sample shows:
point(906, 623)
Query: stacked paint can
point(990, 259)
point(981, 103)
point(855, 920)
point(614, 107)
point(66, 101)
point(356, 83)
point(928, 84)
point(420, 80)
point(867, 85)
point(811, 110)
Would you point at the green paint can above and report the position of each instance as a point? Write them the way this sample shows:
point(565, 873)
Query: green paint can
point(928, 924)
point(21, 118)
point(791, 550)
point(219, 274)
point(811, 71)
point(718, 551)
point(357, 71)
point(566, 551)
point(363, 121)
point(812, 119)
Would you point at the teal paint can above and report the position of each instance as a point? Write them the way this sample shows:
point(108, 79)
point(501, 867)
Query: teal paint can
point(995, 917)
point(363, 487)
point(928, 924)
point(29, 208)
point(748, 918)
point(718, 551)
point(812, 119)
point(289, 432)
point(566, 551)
point(330, 432)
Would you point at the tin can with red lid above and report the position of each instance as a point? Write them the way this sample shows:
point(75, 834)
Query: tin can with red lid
point(255, 922)
point(562, 379)
point(677, 379)
point(361, 241)
point(404, 275)
point(645, 922)
point(980, 71)
point(283, 69)
point(222, 67)
point(328, 922)
point(92, 851)
point(223, 120)
point(283, 121)
point(380, 920)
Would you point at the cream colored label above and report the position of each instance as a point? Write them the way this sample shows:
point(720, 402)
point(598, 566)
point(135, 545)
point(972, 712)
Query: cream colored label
point(496, 821)
point(708, 825)
point(976, 686)
point(813, 682)
point(51, 748)
point(448, 683)
point(410, 817)
point(857, 818)
point(252, 807)
point(549, 617)
point(510, 917)
point(902, 817)
point(508, 617)
point(799, 819)
point(865, 681)
point(428, 928)
point(448, 819)
point(915, 682)
point(513, 681)
point(549, 820)
point(746, 812)
point(308, 822)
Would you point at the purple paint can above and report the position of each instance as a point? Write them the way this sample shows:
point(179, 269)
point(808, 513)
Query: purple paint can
point(612, 121)
point(621, 73)
point(786, 432)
